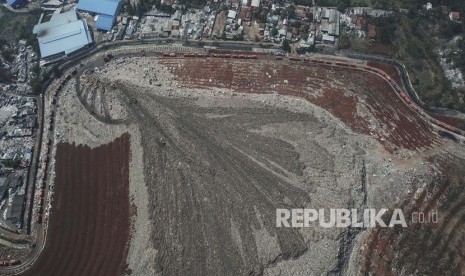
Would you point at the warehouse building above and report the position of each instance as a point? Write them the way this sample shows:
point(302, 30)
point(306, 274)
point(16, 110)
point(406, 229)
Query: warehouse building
point(104, 10)
point(62, 35)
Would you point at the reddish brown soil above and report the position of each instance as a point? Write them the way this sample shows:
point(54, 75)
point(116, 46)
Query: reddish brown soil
point(89, 226)
point(392, 71)
point(455, 122)
point(429, 248)
point(340, 91)
point(217, 51)
point(380, 49)
point(389, 69)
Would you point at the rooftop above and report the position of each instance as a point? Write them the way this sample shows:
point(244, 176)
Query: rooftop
point(105, 9)
point(104, 22)
point(14, 211)
point(14, 3)
point(108, 7)
point(232, 14)
point(454, 15)
point(64, 33)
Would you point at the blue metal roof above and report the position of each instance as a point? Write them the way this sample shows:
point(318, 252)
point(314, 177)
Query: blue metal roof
point(108, 7)
point(104, 22)
point(14, 3)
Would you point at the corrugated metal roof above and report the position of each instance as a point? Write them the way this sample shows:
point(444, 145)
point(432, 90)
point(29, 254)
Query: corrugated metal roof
point(53, 3)
point(13, 182)
point(15, 210)
point(64, 33)
point(3, 187)
point(328, 38)
point(108, 7)
point(56, 20)
point(104, 22)
point(232, 14)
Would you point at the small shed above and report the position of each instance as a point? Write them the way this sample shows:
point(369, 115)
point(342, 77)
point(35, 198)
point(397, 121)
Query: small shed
point(232, 14)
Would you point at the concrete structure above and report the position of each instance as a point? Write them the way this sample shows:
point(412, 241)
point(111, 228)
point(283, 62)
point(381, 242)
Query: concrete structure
point(177, 15)
point(232, 14)
point(15, 210)
point(328, 39)
point(105, 10)
point(307, 43)
point(62, 35)
point(330, 21)
point(52, 5)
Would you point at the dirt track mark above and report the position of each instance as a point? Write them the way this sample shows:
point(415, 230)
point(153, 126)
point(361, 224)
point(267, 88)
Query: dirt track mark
point(203, 182)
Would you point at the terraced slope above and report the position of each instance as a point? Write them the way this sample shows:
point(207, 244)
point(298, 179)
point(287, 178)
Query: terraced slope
point(89, 225)
point(435, 247)
point(362, 100)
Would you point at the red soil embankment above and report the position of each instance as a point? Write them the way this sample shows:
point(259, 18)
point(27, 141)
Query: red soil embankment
point(89, 225)
point(362, 100)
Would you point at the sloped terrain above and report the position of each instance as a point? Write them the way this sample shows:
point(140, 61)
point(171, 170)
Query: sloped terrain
point(362, 100)
point(434, 247)
point(224, 143)
point(89, 227)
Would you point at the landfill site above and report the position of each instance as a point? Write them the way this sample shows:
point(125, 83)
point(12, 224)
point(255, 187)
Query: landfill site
point(167, 165)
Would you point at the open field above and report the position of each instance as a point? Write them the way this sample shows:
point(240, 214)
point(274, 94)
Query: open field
point(89, 227)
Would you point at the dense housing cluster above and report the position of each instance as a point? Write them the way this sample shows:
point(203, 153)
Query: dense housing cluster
point(17, 133)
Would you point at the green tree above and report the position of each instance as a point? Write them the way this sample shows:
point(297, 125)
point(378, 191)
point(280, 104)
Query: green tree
point(296, 24)
point(274, 32)
point(130, 8)
point(308, 3)
point(5, 75)
point(344, 42)
point(11, 163)
point(36, 86)
point(8, 54)
point(239, 37)
point(343, 5)
point(386, 28)
point(286, 46)
point(277, 11)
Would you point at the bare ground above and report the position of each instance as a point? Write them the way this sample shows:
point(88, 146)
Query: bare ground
point(218, 164)
point(210, 165)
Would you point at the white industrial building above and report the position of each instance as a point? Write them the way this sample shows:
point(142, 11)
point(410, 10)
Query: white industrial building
point(62, 35)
